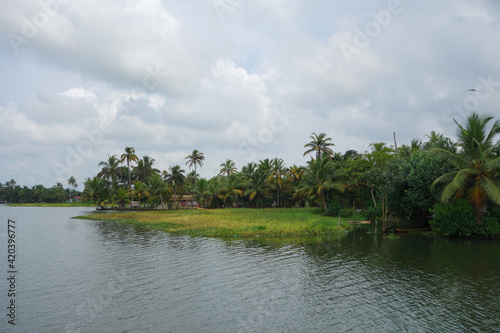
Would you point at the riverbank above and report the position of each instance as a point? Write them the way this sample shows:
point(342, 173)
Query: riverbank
point(47, 204)
point(241, 222)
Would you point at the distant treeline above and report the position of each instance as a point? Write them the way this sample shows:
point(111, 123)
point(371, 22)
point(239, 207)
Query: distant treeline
point(11, 192)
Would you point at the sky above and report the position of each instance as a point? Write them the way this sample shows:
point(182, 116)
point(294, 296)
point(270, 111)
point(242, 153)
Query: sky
point(235, 79)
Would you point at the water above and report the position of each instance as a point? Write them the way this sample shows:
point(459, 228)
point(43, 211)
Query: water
point(89, 276)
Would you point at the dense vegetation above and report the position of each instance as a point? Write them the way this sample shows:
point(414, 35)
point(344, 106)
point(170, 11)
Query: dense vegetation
point(403, 185)
point(13, 193)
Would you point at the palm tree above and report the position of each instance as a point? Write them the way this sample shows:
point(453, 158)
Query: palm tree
point(72, 183)
point(258, 186)
point(122, 197)
point(110, 169)
point(319, 144)
point(196, 158)
point(129, 156)
point(231, 187)
point(96, 190)
point(319, 179)
point(227, 168)
point(141, 191)
point(144, 169)
point(275, 175)
point(156, 187)
point(175, 178)
point(477, 169)
point(201, 191)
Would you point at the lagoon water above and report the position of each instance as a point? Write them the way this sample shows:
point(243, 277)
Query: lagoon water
point(90, 276)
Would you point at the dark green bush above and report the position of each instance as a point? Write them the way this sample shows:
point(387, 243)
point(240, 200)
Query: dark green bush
point(346, 212)
point(458, 218)
point(373, 213)
point(333, 208)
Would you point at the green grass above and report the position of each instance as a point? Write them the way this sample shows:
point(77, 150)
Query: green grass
point(241, 222)
point(62, 204)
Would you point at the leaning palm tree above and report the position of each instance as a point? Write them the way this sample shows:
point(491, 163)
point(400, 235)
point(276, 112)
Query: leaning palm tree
point(129, 156)
point(227, 168)
point(258, 186)
point(196, 158)
point(477, 168)
point(320, 143)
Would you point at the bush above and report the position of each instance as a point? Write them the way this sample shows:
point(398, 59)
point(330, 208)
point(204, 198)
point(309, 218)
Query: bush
point(333, 208)
point(373, 213)
point(458, 218)
point(346, 212)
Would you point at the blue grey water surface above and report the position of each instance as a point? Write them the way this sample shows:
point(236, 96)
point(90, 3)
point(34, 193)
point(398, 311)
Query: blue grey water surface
point(93, 276)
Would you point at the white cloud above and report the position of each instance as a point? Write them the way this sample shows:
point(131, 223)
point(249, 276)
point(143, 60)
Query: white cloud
point(176, 76)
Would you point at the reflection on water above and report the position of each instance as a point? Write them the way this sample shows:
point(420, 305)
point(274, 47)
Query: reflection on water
point(106, 276)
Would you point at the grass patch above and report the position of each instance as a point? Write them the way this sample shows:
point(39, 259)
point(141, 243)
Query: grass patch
point(232, 223)
point(61, 204)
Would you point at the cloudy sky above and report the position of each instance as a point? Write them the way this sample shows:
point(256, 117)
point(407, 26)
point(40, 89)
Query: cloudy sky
point(236, 79)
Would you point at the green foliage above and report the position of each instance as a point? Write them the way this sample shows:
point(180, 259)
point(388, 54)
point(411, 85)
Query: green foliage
point(333, 208)
point(410, 196)
point(458, 218)
point(346, 212)
point(373, 213)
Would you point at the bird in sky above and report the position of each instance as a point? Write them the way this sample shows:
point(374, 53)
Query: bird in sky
point(472, 89)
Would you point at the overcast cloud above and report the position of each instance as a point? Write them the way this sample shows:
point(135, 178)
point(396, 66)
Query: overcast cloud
point(236, 79)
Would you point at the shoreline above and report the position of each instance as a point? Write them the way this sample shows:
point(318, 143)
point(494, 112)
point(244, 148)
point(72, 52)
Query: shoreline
point(232, 222)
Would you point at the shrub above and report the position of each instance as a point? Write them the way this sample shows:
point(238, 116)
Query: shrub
point(333, 208)
point(346, 212)
point(458, 218)
point(373, 213)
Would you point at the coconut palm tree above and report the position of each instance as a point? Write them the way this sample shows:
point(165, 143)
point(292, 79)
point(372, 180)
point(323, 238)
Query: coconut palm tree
point(122, 197)
point(258, 186)
point(477, 168)
point(227, 168)
point(129, 156)
point(175, 178)
point(110, 169)
point(196, 158)
point(141, 191)
point(320, 143)
point(276, 176)
point(231, 188)
point(144, 169)
point(201, 191)
point(72, 183)
point(319, 179)
point(156, 187)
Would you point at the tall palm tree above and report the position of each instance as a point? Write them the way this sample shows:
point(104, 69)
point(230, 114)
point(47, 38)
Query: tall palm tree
point(129, 156)
point(319, 179)
point(276, 176)
point(175, 178)
point(72, 183)
point(227, 168)
point(110, 169)
point(477, 168)
point(320, 143)
point(196, 158)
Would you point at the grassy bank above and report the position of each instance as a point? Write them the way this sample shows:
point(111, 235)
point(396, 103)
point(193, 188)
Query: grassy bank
point(62, 204)
point(240, 222)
